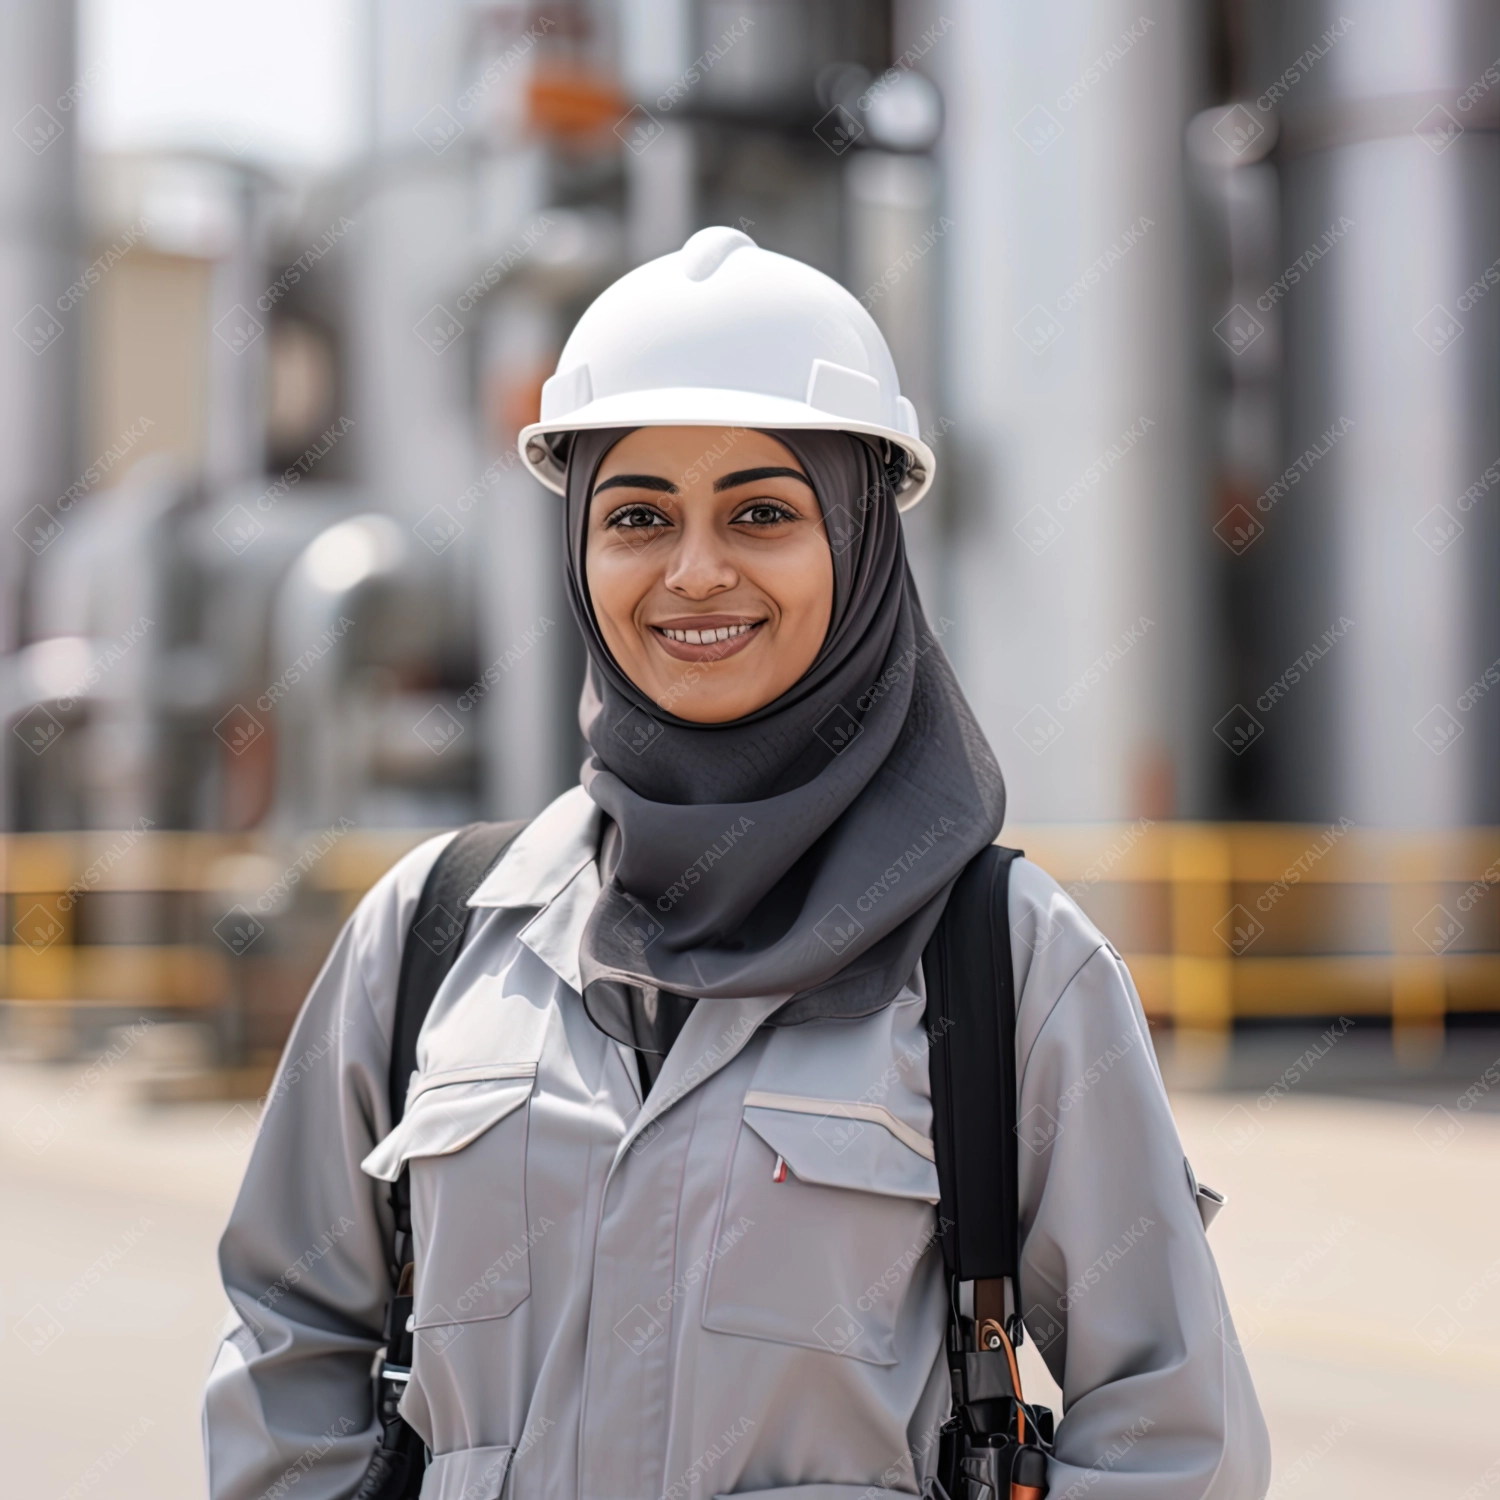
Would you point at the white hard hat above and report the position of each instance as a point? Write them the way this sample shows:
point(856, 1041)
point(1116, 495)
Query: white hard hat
point(724, 334)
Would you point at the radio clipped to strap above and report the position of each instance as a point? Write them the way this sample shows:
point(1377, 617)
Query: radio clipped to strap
point(995, 1446)
point(999, 1442)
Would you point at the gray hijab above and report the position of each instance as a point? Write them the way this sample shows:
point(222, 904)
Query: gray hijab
point(807, 849)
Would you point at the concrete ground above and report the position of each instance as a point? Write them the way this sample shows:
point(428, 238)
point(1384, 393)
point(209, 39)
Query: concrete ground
point(1360, 1250)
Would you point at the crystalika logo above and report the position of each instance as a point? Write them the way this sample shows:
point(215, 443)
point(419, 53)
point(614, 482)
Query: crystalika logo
point(838, 1328)
point(1238, 129)
point(839, 928)
point(638, 127)
point(838, 130)
point(638, 929)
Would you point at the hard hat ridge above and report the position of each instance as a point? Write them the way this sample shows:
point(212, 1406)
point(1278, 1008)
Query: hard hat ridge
point(703, 253)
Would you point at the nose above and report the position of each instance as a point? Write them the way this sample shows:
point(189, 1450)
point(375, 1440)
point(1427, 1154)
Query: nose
point(700, 565)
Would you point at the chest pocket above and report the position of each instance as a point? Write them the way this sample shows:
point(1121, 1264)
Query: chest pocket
point(827, 1212)
point(463, 1135)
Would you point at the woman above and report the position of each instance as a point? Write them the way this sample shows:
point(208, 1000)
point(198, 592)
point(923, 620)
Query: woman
point(644, 1265)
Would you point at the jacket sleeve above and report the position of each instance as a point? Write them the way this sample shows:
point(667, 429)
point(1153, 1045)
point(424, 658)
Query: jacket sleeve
point(1118, 1285)
point(304, 1257)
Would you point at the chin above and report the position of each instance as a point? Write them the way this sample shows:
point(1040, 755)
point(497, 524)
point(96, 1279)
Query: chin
point(714, 708)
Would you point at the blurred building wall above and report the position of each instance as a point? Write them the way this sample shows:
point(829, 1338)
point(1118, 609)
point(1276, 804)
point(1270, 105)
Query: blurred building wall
point(146, 357)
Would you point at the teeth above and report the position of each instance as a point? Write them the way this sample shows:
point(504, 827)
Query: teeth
point(705, 637)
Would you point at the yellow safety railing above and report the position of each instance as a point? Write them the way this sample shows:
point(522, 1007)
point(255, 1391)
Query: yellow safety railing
point(1226, 921)
point(1217, 921)
point(47, 880)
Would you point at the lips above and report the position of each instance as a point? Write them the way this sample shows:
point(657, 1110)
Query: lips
point(706, 638)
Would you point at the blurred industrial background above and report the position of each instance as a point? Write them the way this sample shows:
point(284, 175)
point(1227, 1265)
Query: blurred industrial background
point(1199, 305)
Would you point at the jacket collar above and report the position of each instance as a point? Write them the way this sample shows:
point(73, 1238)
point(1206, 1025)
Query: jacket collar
point(551, 865)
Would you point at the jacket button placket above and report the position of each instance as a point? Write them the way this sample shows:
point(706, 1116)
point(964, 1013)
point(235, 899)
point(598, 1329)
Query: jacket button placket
point(630, 1335)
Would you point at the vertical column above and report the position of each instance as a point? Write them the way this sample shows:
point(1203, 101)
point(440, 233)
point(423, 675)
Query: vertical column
point(39, 348)
point(1073, 401)
point(1381, 560)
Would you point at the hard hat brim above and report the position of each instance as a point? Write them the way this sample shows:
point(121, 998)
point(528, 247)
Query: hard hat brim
point(697, 406)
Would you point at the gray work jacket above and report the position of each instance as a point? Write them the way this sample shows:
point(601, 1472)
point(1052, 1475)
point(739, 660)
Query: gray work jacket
point(732, 1289)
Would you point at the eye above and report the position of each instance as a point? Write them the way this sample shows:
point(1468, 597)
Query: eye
point(636, 516)
point(766, 513)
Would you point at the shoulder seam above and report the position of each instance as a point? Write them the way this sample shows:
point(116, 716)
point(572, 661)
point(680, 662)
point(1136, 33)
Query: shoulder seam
point(1052, 1009)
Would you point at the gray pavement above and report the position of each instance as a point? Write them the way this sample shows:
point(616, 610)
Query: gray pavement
point(1360, 1250)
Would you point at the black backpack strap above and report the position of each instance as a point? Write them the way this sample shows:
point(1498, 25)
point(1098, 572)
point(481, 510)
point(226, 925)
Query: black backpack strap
point(971, 1017)
point(994, 1445)
point(433, 943)
point(436, 937)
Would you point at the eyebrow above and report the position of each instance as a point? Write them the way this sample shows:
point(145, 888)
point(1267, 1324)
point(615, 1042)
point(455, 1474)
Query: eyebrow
point(638, 482)
point(750, 476)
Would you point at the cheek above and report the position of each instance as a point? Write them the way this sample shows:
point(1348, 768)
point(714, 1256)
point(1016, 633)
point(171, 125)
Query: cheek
point(804, 586)
point(617, 580)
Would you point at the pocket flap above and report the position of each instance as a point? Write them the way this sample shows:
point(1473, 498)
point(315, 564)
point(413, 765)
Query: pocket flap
point(1209, 1200)
point(853, 1145)
point(821, 1492)
point(446, 1116)
point(466, 1474)
point(1209, 1203)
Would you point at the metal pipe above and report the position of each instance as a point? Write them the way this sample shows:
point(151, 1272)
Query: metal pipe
point(1378, 612)
point(40, 342)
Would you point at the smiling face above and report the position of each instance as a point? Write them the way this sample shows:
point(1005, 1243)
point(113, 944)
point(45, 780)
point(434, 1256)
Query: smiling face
point(708, 567)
